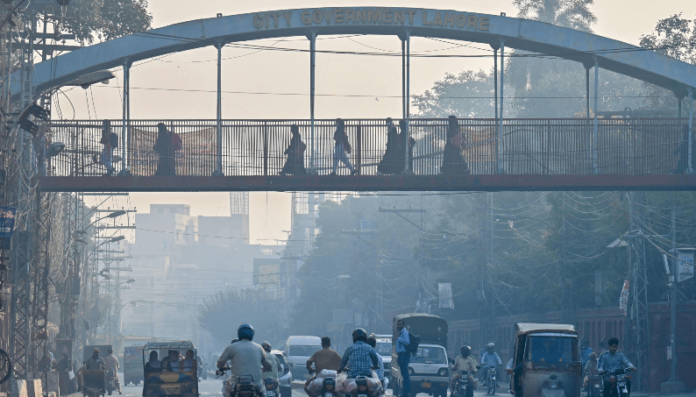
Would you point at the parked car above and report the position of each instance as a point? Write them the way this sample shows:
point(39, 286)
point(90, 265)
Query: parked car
point(284, 378)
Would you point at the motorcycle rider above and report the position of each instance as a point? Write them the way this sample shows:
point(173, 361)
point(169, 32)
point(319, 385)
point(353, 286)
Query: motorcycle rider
point(326, 358)
point(95, 363)
point(273, 373)
point(112, 367)
point(465, 362)
point(246, 358)
point(489, 361)
point(361, 356)
point(611, 361)
point(372, 341)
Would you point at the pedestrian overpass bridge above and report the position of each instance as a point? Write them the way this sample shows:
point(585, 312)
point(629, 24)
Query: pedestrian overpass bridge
point(502, 153)
point(535, 154)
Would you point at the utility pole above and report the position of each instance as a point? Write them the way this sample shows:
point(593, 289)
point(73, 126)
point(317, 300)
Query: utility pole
point(673, 385)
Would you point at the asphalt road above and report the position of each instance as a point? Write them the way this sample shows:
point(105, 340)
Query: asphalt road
point(213, 388)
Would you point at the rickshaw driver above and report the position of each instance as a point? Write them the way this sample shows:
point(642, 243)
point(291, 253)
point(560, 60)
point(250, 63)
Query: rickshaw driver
point(95, 363)
point(611, 361)
point(551, 354)
point(245, 357)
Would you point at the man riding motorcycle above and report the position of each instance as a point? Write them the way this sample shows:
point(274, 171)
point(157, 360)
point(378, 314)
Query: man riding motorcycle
point(246, 358)
point(464, 363)
point(611, 361)
point(489, 361)
point(273, 373)
point(361, 356)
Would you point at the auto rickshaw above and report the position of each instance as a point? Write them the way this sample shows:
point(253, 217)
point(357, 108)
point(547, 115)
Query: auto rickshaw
point(170, 377)
point(546, 361)
point(93, 382)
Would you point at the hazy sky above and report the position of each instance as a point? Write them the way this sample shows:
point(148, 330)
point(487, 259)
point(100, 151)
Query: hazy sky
point(252, 78)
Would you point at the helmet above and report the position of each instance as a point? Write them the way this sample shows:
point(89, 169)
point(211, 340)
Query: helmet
point(465, 350)
point(359, 335)
point(266, 346)
point(245, 331)
point(490, 346)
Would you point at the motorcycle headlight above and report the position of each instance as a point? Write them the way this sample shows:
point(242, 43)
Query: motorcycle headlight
point(269, 386)
point(362, 387)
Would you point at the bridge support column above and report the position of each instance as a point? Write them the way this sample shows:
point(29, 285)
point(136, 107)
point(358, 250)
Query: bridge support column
point(312, 86)
point(595, 142)
point(499, 150)
point(125, 141)
point(690, 170)
point(218, 152)
point(403, 78)
point(407, 103)
point(587, 90)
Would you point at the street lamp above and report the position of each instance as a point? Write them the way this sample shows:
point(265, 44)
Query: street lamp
point(113, 215)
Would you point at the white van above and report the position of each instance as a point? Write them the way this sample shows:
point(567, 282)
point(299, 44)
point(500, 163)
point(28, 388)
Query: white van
point(298, 349)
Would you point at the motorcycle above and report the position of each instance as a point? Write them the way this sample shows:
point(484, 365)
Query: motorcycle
point(328, 388)
point(619, 381)
point(596, 386)
point(243, 387)
point(461, 385)
point(110, 382)
point(270, 387)
point(491, 381)
point(362, 390)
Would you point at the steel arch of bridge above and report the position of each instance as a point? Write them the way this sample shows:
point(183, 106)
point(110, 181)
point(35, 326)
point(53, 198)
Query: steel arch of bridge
point(522, 34)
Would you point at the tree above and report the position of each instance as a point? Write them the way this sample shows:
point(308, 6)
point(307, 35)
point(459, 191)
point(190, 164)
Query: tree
point(99, 20)
point(222, 313)
point(574, 14)
point(675, 37)
point(468, 94)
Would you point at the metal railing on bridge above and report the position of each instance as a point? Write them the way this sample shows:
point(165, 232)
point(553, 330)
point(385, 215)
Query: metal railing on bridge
point(257, 147)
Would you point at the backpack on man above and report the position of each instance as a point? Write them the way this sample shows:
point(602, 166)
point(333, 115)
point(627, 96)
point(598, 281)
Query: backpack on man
point(113, 140)
point(413, 346)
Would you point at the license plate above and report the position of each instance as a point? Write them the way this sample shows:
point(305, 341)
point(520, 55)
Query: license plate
point(270, 393)
point(426, 385)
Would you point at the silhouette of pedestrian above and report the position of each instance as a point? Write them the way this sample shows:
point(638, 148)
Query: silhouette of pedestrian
point(682, 152)
point(294, 165)
point(342, 147)
point(453, 162)
point(390, 161)
point(166, 146)
point(411, 143)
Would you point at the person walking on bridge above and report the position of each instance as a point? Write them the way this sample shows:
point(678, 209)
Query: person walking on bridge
point(453, 162)
point(342, 147)
point(166, 146)
point(294, 165)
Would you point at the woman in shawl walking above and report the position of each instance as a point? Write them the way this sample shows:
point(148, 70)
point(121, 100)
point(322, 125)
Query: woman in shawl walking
point(342, 147)
point(453, 162)
point(294, 165)
point(165, 147)
point(390, 161)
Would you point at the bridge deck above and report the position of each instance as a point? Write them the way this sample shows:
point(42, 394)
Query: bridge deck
point(534, 154)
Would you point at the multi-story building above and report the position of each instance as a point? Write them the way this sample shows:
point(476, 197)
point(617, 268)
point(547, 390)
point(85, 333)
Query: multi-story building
point(177, 262)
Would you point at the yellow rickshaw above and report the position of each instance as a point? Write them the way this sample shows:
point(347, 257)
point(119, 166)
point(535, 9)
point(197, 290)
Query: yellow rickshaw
point(170, 369)
point(546, 361)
